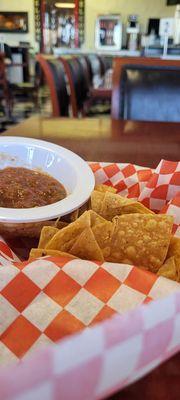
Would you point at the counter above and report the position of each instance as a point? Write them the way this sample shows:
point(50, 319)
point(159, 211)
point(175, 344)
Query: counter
point(121, 53)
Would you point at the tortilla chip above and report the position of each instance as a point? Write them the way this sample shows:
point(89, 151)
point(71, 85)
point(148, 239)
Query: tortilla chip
point(74, 215)
point(174, 251)
point(177, 262)
point(111, 205)
point(169, 270)
point(135, 208)
point(61, 239)
point(86, 247)
point(67, 245)
point(174, 247)
point(36, 253)
point(105, 188)
point(96, 218)
point(46, 235)
point(141, 240)
point(103, 234)
point(96, 200)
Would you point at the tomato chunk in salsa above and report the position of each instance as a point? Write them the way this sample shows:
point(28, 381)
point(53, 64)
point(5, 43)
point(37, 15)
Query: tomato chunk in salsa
point(25, 188)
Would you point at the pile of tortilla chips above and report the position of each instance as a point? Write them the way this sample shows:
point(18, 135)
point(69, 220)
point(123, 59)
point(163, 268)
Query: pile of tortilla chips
point(115, 229)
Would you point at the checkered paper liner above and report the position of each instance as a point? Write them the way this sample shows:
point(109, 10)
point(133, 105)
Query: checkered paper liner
point(6, 254)
point(45, 300)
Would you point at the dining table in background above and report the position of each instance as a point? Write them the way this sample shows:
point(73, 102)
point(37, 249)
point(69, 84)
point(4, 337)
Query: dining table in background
point(141, 143)
point(103, 139)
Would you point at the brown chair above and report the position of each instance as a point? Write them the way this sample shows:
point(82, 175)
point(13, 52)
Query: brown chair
point(83, 101)
point(96, 65)
point(27, 88)
point(78, 85)
point(146, 89)
point(105, 63)
point(5, 95)
point(86, 65)
point(99, 66)
point(55, 77)
point(101, 93)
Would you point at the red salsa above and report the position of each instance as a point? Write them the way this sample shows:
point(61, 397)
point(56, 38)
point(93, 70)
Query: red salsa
point(25, 188)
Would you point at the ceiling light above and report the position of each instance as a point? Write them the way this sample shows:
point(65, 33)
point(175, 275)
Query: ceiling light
point(65, 5)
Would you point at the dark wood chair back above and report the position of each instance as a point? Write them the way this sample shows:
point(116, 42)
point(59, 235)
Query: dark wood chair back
point(105, 64)
point(55, 77)
point(3, 79)
point(96, 64)
point(4, 88)
point(87, 70)
point(77, 83)
point(146, 89)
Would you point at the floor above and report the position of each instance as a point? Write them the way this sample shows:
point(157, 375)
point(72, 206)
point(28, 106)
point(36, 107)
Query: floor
point(25, 107)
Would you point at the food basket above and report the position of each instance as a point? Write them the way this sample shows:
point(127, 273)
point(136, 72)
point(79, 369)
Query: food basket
point(109, 332)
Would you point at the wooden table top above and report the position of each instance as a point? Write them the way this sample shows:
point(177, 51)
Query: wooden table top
point(141, 143)
point(100, 139)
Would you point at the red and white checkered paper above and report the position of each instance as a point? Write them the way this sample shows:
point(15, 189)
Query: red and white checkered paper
point(45, 300)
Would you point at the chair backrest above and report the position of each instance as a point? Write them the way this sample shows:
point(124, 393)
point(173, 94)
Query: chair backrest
point(55, 77)
point(146, 89)
point(96, 64)
point(86, 65)
point(3, 78)
point(2, 68)
point(6, 49)
point(105, 63)
point(77, 84)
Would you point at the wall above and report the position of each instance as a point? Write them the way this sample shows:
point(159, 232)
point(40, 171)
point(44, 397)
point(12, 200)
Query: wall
point(144, 8)
point(19, 5)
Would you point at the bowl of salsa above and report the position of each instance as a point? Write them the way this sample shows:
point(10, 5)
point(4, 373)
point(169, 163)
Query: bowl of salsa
point(40, 182)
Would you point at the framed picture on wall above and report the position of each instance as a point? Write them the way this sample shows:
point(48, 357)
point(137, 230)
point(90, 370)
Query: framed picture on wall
point(108, 32)
point(172, 2)
point(13, 22)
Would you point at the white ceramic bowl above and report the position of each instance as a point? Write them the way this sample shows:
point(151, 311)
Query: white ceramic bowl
point(68, 168)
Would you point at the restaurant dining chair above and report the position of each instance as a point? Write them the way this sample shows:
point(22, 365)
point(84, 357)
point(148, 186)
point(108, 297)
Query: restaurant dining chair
point(54, 74)
point(83, 101)
point(101, 85)
point(146, 89)
point(78, 85)
point(6, 101)
point(87, 69)
point(105, 63)
point(96, 64)
point(100, 95)
point(21, 91)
